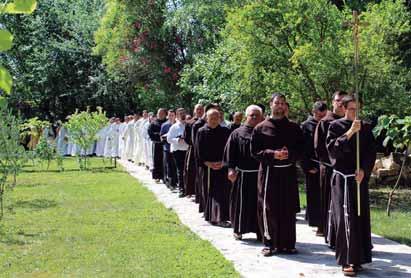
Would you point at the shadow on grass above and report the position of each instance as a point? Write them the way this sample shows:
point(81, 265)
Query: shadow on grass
point(36, 204)
point(95, 169)
point(12, 238)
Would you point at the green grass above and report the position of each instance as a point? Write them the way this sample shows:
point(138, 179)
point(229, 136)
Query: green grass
point(397, 226)
point(99, 223)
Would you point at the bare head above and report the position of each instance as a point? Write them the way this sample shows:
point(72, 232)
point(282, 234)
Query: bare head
point(199, 110)
point(145, 114)
point(171, 116)
point(181, 114)
point(161, 113)
point(338, 107)
point(213, 118)
point(350, 107)
point(237, 118)
point(254, 115)
point(278, 106)
point(319, 110)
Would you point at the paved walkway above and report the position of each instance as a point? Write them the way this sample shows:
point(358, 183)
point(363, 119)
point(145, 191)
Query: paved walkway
point(390, 259)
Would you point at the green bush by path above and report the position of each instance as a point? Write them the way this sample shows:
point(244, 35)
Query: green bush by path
point(97, 223)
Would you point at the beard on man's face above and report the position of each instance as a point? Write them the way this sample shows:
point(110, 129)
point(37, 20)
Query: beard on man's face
point(278, 112)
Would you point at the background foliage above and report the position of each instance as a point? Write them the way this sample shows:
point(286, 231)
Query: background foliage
point(128, 55)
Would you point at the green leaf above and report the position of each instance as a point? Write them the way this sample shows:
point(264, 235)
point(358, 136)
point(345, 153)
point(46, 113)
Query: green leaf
point(6, 40)
point(21, 7)
point(5, 80)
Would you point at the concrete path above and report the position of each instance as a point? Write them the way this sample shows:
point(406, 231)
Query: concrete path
point(390, 259)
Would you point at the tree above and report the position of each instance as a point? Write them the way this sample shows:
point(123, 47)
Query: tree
point(12, 154)
point(6, 39)
point(303, 49)
point(83, 128)
point(53, 66)
point(397, 131)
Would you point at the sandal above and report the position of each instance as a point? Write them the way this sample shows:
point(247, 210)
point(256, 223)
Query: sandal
point(238, 236)
point(349, 271)
point(268, 252)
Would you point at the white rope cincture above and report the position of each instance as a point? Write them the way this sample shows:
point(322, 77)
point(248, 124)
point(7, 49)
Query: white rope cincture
point(208, 179)
point(265, 222)
point(345, 206)
point(241, 193)
point(188, 157)
point(329, 221)
point(266, 233)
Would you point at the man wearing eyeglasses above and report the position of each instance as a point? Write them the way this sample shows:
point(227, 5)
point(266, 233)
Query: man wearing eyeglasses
point(353, 232)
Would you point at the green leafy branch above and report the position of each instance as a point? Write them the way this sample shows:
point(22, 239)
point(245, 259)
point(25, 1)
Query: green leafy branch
point(6, 38)
point(398, 131)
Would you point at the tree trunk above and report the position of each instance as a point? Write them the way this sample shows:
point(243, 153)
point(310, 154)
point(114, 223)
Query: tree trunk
point(397, 184)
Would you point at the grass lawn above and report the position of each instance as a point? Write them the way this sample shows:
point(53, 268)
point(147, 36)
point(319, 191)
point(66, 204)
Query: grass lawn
point(395, 227)
point(97, 223)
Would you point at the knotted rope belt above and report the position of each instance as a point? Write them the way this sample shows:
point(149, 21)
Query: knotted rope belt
point(345, 206)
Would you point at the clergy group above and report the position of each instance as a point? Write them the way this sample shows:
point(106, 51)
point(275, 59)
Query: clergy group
point(243, 174)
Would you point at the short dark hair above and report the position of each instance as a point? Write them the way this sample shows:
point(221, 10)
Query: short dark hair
point(347, 99)
point(262, 106)
point(339, 93)
point(319, 106)
point(274, 95)
point(171, 111)
point(211, 106)
point(179, 110)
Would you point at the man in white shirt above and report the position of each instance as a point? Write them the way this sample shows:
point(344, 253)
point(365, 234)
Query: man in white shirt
point(178, 147)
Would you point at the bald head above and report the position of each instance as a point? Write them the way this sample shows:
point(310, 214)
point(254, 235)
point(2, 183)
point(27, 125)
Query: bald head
point(213, 118)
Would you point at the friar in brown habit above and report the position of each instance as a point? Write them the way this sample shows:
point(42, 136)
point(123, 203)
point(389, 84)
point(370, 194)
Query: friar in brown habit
point(200, 195)
point(189, 166)
point(154, 134)
point(277, 144)
point(243, 174)
point(211, 140)
point(325, 167)
point(353, 233)
point(311, 167)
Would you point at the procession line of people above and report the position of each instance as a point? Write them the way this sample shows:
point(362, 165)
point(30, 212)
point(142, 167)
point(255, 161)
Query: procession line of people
point(244, 174)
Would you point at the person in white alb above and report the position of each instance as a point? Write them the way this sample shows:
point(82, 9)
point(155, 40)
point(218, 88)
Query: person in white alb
point(147, 147)
point(129, 137)
point(108, 145)
point(115, 135)
point(122, 142)
point(178, 146)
